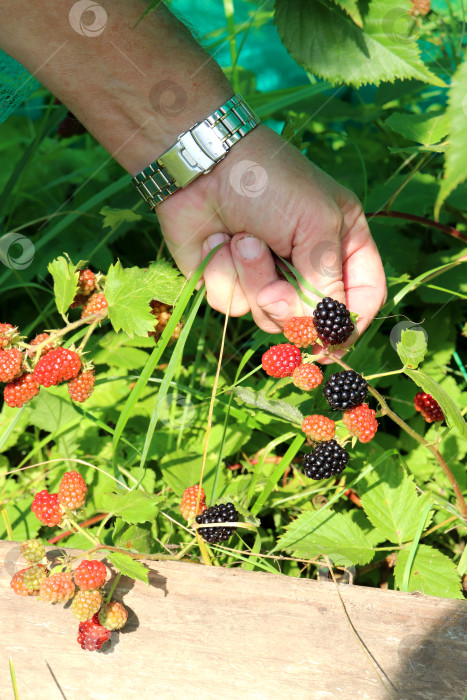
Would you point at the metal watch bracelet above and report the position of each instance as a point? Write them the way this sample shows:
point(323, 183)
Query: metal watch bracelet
point(196, 151)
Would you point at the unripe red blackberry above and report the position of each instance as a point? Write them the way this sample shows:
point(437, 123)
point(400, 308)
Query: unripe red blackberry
point(96, 304)
point(86, 281)
point(81, 387)
point(327, 459)
point(319, 427)
point(17, 584)
point(307, 376)
point(32, 550)
point(86, 604)
point(72, 491)
point(191, 505)
point(90, 574)
point(163, 313)
point(7, 334)
point(34, 575)
point(38, 340)
point(57, 588)
point(428, 407)
point(113, 615)
point(46, 508)
point(420, 7)
point(58, 365)
point(11, 364)
point(281, 360)
point(20, 391)
point(301, 331)
point(92, 635)
point(361, 421)
point(332, 321)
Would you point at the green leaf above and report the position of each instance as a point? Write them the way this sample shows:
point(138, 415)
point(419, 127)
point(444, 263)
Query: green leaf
point(451, 412)
point(132, 506)
point(412, 347)
point(112, 218)
point(278, 407)
point(65, 282)
point(128, 566)
point(335, 534)
point(324, 40)
point(432, 573)
point(351, 7)
point(129, 291)
point(138, 538)
point(462, 565)
point(390, 501)
point(426, 129)
point(455, 171)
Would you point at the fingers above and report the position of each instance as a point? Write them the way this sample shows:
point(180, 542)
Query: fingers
point(272, 301)
point(220, 276)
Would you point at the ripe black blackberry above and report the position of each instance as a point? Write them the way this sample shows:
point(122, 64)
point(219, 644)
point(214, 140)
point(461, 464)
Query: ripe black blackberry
point(328, 459)
point(332, 321)
point(345, 390)
point(223, 513)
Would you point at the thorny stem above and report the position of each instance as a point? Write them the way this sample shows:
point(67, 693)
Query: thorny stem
point(68, 520)
point(450, 230)
point(385, 410)
point(384, 374)
point(63, 331)
point(89, 332)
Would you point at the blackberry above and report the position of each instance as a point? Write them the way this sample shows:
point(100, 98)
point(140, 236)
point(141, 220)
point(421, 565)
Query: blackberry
point(326, 460)
point(345, 390)
point(332, 321)
point(223, 513)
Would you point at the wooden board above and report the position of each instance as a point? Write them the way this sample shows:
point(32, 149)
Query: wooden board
point(207, 632)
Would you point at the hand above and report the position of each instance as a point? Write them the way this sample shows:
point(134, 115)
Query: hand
point(265, 197)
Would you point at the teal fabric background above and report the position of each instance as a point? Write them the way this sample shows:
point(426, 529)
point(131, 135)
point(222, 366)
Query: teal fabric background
point(262, 52)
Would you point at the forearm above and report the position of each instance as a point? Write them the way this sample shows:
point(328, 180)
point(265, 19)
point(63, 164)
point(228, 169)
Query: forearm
point(135, 89)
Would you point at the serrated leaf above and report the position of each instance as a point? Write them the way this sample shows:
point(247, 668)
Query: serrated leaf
point(129, 291)
point(426, 129)
point(65, 282)
point(112, 218)
point(351, 7)
point(389, 499)
point(278, 407)
point(128, 566)
point(451, 412)
point(326, 532)
point(132, 506)
point(455, 171)
point(432, 573)
point(324, 40)
point(412, 347)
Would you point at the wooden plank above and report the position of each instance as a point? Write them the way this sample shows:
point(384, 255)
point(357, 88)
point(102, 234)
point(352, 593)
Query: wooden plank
point(210, 632)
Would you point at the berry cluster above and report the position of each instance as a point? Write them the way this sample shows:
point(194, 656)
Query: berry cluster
point(83, 586)
point(50, 508)
point(345, 391)
point(428, 407)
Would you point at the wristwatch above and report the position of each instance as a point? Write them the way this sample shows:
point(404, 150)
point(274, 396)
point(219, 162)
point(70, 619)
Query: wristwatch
point(196, 151)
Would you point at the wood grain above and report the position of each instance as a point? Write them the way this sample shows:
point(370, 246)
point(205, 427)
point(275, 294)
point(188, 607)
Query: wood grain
point(207, 632)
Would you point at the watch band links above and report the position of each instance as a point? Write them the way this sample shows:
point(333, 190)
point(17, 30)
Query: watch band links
point(196, 151)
